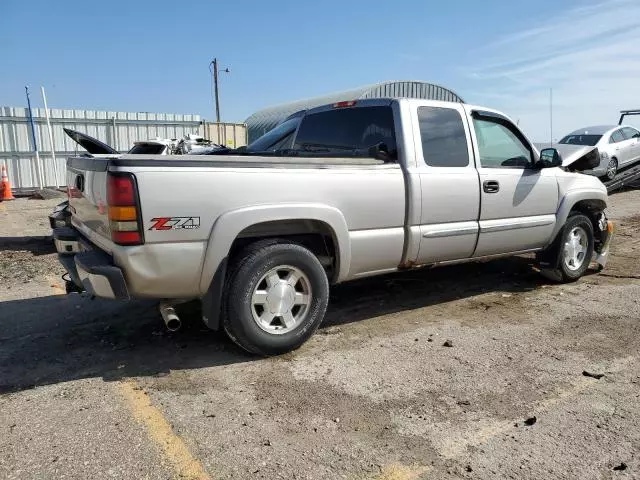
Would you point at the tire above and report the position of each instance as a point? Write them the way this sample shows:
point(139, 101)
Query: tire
point(571, 253)
point(612, 169)
point(276, 297)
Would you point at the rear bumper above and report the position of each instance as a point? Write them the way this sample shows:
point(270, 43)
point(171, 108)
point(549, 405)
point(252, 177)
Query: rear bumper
point(90, 269)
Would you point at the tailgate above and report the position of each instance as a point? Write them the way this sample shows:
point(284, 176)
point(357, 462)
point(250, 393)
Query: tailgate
point(87, 186)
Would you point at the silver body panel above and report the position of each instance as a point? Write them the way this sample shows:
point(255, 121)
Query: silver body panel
point(382, 217)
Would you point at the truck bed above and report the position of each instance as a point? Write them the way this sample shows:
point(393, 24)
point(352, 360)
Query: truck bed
point(235, 161)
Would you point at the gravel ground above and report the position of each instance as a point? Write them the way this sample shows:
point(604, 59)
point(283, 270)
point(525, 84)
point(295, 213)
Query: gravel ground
point(472, 371)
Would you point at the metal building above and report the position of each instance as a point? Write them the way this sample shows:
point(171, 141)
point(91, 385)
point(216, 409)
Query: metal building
point(264, 120)
point(117, 129)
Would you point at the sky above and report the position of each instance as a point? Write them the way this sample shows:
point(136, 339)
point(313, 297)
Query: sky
point(153, 56)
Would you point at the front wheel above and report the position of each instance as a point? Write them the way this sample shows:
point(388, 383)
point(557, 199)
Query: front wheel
point(276, 297)
point(572, 251)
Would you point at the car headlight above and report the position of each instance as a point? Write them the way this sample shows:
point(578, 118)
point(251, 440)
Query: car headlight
point(604, 155)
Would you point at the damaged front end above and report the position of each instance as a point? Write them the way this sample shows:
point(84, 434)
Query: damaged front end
point(603, 237)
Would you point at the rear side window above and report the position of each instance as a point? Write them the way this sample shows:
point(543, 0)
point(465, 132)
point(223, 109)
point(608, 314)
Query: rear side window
point(616, 137)
point(444, 143)
point(630, 133)
point(347, 129)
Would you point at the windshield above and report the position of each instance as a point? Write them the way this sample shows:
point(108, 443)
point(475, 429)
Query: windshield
point(273, 137)
point(590, 140)
point(147, 149)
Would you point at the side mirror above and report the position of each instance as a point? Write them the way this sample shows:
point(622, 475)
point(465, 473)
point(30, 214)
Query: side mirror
point(549, 158)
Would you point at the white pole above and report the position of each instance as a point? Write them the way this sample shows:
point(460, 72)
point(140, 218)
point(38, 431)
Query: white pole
point(53, 148)
point(551, 115)
point(34, 137)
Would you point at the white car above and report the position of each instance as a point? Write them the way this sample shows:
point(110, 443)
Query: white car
point(619, 146)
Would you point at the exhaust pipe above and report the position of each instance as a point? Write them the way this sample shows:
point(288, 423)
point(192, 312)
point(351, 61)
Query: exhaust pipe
point(171, 319)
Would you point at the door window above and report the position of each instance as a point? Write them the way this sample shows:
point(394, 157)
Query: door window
point(616, 137)
point(500, 147)
point(444, 143)
point(630, 133)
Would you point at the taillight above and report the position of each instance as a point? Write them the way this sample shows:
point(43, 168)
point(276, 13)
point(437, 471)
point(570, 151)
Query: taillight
point(124, 213)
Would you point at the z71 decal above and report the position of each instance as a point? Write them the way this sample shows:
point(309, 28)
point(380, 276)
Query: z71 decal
point(175, 223)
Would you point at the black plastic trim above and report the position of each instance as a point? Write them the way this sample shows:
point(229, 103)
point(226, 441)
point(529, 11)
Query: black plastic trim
point(62, 215)
point(66, 234)
point(68, 262)
point(212, 301)
point(99, 263)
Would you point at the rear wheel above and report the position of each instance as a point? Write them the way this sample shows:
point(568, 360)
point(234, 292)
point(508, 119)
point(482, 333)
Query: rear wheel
point(571, 253)
point(276, 298)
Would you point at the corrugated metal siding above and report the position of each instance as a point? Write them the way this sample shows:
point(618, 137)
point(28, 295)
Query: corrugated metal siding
point(117, 129)
point(264, 120)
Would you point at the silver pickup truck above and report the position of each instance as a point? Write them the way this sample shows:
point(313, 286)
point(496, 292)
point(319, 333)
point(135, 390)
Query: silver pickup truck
point(358, 188)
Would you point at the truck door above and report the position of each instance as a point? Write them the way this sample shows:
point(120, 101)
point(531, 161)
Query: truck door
point(448, 182)
point(518, 202)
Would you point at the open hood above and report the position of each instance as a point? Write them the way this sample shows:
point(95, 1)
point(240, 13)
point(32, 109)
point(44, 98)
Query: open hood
point(90, 144)
point(569, 153)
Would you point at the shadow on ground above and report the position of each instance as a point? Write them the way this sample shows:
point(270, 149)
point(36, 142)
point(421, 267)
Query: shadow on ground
point(39, 245)
point(54, 339)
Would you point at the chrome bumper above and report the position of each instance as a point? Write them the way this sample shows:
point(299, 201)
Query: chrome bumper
point(89, 268)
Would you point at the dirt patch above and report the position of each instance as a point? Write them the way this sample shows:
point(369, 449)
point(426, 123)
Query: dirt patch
point(26, 259)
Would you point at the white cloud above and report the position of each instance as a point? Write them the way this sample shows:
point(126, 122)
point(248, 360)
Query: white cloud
point(589, 55)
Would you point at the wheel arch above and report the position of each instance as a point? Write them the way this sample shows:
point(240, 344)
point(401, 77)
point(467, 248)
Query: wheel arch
point(588, 202)
point(263, 221)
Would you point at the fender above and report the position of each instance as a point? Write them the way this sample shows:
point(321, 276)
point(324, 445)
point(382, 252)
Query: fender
point(230, 224)
point(570, 199)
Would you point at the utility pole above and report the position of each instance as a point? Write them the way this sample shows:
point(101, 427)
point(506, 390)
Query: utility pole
point(214, 64)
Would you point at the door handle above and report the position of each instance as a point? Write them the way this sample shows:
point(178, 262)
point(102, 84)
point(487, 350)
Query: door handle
point(490, 186)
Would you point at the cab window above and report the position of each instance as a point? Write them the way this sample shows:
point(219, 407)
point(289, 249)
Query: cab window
point(444, 143)
point(348, 130)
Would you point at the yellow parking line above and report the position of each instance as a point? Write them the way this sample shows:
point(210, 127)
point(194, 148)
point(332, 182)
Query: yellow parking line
point(186, 466)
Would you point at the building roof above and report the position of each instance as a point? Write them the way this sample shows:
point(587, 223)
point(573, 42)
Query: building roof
point(264, 120)
point(594, 130)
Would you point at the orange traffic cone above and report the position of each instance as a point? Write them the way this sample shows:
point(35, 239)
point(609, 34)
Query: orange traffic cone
point(5, 186)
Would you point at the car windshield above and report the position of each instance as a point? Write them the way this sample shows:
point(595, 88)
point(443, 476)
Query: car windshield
point(590, 140)
point(147, 149)
point(272, 137)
